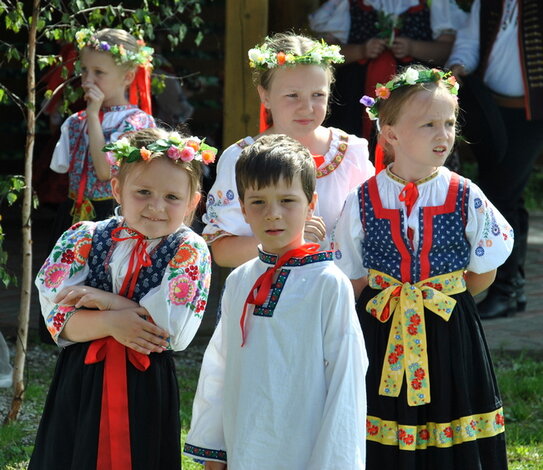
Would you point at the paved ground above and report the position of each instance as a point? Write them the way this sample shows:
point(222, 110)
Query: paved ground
point(522, 332)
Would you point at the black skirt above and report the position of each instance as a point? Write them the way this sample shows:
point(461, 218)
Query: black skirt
point(465, 401)
point(67, 437)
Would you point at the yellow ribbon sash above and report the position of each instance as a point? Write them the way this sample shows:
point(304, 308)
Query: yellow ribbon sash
point(406, 351)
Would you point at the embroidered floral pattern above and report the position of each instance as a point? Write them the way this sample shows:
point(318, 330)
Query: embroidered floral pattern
point(182, 290)
point(458, 431)
point(189, 277)
point(68, 257)
point(336, 161)
point(186, 255)
point(491, 228)
point(267, 309)
point(57, 318)
point(406, 352)
point(205, 453)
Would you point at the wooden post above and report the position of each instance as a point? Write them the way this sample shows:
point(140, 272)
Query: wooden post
point(246, 25)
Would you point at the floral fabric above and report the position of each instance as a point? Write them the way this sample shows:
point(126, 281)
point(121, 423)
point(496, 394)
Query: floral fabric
point(407, 350)
point(458, 431)
point(174, 289)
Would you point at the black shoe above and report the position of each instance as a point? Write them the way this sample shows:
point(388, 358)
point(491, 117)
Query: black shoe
point(497, 304)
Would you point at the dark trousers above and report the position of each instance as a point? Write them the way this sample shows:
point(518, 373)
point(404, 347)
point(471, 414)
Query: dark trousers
point(504, 181)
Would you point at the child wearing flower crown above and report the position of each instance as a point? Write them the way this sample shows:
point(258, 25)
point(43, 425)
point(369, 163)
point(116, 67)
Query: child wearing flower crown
point(428, 240)
point(119, 296)
point(293, 74)
point(282, 380)
point(115, 80)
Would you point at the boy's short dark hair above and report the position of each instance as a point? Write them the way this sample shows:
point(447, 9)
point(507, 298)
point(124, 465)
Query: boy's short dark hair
point(272, 157)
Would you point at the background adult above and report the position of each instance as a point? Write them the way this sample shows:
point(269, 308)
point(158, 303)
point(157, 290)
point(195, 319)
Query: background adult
point(500, 52)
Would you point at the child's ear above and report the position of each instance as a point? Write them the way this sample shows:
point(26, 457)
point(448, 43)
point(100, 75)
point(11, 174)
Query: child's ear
point(388, 134)
point(129, 76)
point(194, 202)
point(264, 96)
point(312, 205)
point(116, 189)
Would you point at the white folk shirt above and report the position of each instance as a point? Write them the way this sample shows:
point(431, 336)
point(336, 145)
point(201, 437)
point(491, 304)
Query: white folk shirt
point(293, 397)
point(481, 215)
point(503, 74)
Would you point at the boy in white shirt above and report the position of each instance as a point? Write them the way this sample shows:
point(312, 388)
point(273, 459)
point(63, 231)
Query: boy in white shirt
point(282, 384)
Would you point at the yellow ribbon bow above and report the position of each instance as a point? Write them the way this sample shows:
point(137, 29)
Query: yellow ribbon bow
point(406, 351)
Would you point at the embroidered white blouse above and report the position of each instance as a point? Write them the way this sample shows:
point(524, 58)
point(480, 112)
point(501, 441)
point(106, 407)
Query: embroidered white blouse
point(345, 165)
point(293, 397)
point(177, 303)
point(348, 233)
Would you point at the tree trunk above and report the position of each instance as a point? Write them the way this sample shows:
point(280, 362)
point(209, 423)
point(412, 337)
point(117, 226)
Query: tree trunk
point(26, 281)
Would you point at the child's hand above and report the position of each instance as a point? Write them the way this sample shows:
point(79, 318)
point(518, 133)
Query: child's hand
point(94, 98)
point(315, 229)
point(90, 297)
point(215, 466)
point(129, 328)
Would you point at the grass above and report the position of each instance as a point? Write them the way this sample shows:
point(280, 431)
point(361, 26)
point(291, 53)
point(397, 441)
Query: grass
point(520, 379)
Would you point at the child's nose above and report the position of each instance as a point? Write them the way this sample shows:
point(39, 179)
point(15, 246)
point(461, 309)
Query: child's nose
point(273, 212)
point(306, 104)
point(156, 205)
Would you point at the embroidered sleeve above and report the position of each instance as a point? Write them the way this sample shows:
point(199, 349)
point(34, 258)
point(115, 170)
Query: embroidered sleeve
point(347, 239)
point(66, 266)
point(133, 122)
point(340, 441)
point(178, 303)
point(223, 215)
point(205, 440)
point(489, 234)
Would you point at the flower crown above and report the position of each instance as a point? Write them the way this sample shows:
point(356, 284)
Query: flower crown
point(175, 147)
point(144, 56)
point(261, 57)
point(410, 77)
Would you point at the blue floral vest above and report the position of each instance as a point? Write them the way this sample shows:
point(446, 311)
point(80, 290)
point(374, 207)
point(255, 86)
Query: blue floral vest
point(149, 277)
point(442, 246)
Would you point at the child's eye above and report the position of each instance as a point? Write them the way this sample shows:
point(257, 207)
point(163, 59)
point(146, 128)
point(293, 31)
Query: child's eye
point(172, 197)
point(451, 123)
point(287, 200)
point(319, 94)
point(257, 202)
point(292, 95)
point(144, 192)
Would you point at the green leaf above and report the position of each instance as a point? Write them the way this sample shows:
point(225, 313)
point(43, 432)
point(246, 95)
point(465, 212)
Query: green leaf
point(11, 197)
